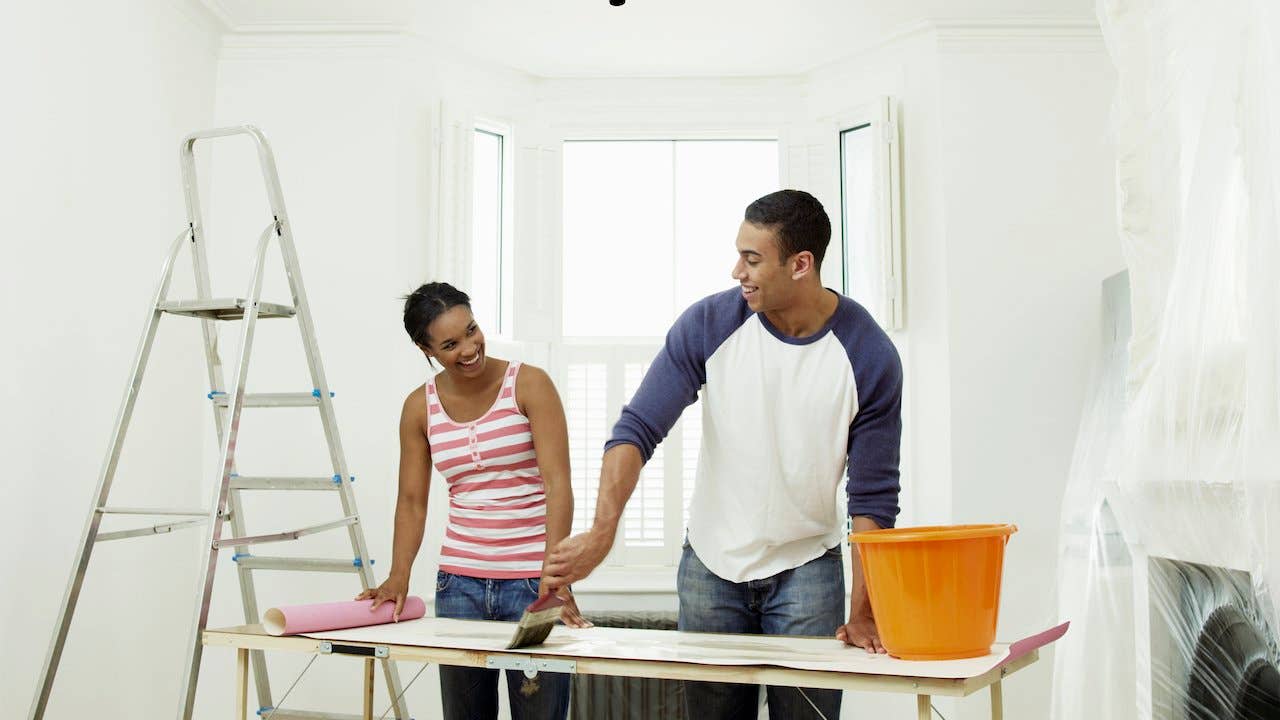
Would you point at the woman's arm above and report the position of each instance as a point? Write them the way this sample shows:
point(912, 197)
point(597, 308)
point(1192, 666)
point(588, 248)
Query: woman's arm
point(411, 504)
point(540, 402)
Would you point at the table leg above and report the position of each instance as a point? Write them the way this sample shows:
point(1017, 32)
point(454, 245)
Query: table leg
point(997, 701)
point(923, 707)
point(368, 689)
point(242, 684)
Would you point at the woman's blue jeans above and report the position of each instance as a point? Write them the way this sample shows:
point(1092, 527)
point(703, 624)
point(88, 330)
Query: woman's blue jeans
point(472, 693)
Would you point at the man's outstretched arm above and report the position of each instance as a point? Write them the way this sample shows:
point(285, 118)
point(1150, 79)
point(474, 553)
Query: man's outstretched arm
point(575, 557)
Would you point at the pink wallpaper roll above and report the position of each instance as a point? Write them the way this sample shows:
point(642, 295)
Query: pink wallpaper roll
point(294, 619)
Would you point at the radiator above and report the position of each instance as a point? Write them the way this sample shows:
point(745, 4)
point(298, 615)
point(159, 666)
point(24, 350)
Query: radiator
point(605, 697)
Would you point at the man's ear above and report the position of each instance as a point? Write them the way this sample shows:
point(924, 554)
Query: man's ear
point(801, 264)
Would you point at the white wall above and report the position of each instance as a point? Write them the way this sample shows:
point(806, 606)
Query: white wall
point(1030, 236)
point(1008, 235)
point(97, 97)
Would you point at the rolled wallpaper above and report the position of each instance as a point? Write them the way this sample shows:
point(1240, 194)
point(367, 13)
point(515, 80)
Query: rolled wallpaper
point(294, 619)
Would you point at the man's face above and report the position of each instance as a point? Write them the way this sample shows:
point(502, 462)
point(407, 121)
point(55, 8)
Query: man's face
point(765, 278)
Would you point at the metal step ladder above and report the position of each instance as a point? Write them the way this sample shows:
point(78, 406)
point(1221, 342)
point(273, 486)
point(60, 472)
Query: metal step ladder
point(227, 401)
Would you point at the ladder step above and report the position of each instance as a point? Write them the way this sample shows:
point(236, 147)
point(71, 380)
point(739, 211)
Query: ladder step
point(256, 562)
point(241, 482)
point(311, 399)
point(224, 309)
point(153, 530)
point(287, 714)
point(289, 535)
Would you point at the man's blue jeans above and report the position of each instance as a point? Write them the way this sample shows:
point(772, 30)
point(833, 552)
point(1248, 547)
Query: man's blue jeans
point(807, 600)
point(472, 693)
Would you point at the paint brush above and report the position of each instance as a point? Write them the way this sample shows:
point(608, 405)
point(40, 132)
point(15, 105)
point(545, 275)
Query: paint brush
point(536, 622)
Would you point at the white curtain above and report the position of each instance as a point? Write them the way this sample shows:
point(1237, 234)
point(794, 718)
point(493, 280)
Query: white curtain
point(1170, 554)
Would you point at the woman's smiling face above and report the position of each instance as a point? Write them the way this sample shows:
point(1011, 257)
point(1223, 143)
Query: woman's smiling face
point(456, 341)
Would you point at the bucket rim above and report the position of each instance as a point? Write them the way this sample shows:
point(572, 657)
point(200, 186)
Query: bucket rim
point(927, 533)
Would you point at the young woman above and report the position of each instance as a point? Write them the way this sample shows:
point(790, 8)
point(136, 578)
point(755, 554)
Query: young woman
point(496, 432)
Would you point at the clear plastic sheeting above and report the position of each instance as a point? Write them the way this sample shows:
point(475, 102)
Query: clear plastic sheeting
point(1170, 554)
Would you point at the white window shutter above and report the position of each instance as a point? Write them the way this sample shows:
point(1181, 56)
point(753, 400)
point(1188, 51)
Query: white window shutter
point(451, 136)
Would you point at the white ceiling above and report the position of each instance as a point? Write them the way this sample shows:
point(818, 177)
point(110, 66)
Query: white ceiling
point(647, 38)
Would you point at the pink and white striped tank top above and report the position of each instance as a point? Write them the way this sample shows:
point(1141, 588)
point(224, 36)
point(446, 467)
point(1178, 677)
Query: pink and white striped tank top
point(497, 505)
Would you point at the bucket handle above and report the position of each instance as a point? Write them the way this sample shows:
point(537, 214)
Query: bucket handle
point(1006, 537)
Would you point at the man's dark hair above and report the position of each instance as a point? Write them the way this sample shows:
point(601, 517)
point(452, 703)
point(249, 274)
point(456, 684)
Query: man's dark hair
point(797, 218)
point(427, 303)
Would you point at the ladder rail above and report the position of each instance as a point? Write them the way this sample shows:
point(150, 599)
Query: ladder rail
point(213, 366)
point(213, 359)
point(88, 536)
point(213, 534)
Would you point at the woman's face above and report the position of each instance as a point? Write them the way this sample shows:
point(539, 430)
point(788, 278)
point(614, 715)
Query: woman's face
point(456, 342)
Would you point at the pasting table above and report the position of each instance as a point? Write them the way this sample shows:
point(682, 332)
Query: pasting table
point(667, 654)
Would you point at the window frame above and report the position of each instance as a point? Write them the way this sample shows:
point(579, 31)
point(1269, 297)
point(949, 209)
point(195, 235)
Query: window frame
point(506, 223)
point(880, 118)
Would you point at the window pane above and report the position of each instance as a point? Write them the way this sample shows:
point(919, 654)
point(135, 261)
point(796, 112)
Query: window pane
point(643, 516)
point(617, 238)
point(486, 223)
point(691, 434)
point(669, 210)
point(715, 180)
point(863, 253)
point(585, 406)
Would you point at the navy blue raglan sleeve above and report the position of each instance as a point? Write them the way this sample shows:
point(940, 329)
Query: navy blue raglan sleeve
point(875, 435)
point(670, 385)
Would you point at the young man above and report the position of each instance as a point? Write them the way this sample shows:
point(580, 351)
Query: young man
point(798, 382)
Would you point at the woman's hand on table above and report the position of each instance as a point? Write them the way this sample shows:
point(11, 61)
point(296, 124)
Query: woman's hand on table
point(394, 590)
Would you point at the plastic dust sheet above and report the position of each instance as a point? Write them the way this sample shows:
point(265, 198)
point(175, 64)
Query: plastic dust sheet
point(1170, 554)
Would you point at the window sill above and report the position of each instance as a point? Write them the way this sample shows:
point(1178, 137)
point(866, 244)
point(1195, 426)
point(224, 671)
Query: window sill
point(634, 579)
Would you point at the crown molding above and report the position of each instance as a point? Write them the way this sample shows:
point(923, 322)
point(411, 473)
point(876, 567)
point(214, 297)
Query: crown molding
point(264, 45)
point(319, 27)
point(215, 10)
point(959, 35)
point(1018, 34)
point(953, 35)
point(201, 15)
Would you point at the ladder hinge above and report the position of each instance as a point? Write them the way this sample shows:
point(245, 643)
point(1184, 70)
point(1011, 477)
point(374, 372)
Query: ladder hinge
point(315, 392)
point(359, 562)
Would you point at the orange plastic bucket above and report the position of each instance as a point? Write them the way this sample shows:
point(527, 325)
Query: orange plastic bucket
point(935, 591)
